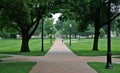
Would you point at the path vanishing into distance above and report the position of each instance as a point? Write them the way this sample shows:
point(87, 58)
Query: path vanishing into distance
point(59, 59)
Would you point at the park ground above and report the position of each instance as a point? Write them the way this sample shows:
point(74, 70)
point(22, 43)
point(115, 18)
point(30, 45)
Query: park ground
point(55, 60)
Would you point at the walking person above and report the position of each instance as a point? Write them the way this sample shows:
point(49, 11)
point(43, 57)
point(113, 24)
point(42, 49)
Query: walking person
point(62, 41)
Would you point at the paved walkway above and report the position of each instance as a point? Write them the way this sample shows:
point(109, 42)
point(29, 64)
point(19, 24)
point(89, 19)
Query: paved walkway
point(60, 59)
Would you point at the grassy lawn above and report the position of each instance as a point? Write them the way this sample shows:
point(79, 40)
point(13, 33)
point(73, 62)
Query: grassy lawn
point(4, 56)
point(17, 67)
point(84, 47)
point(12, 46)
point(117, 57)
point(100, 67)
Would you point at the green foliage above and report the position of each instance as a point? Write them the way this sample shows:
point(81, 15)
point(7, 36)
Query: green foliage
point(115, 27)
point(90, 30)
point(66, 27)
point(24, 16)
point(99, 11)
point(16, 67)
point(96, 10)
point(102, 32)
point(49, 27)
point(100, 67)
point(4, 35)
point(81, 10)
point(16, 11)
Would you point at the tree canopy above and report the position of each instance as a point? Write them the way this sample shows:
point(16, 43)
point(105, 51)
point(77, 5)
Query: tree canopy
point(24, 16)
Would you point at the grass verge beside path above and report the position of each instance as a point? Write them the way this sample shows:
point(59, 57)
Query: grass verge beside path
point(12, 46)
point(84, 47)
point(100, 67)
point(17, 67)
point(117, 57)
point(4, 56)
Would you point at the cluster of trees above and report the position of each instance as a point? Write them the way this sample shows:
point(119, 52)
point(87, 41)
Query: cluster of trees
point(24, 16)
point(49, 27)
point(92, 12)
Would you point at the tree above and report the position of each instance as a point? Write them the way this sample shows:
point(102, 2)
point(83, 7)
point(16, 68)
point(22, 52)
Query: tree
point(49, 26)
point(116, 27)
point(24, 16)
point(66, 27)
point(98, 11)
point(93, 12)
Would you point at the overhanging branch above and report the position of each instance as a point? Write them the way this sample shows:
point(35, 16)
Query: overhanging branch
point(113, 18)
point(35, 27)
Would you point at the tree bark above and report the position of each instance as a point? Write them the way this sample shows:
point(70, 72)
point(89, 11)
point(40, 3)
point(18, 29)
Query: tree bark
point(25, 42)
point(96, 38)
point(75, 35)
point(97, 28)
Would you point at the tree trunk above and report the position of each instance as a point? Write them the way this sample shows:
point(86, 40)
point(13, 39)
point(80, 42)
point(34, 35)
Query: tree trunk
point(25, 42)
point(97, 33)
point(66, 36)
point(75, 35)
point(96, 38)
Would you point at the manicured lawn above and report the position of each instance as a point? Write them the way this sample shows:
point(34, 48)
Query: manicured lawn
point(16, 67)
point(4, 56)
point(100, 67)
point(12, 46)
point(84, 47)
point(117, 57)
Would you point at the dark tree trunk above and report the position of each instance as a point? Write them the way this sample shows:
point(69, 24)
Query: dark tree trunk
point(97, 28)
point(96, 38)
point(75, 35)
point(25, 42)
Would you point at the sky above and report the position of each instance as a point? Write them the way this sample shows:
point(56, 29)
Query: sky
point(55, 17)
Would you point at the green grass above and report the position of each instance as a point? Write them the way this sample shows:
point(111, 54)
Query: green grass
point(100, 67)
point(117, 57)
point(4, 56)
point(12, 46)
point(84, 47)
point(17, 67)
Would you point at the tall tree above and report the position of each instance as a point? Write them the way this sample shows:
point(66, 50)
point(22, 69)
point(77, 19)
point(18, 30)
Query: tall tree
point(93, 12)
point(98, 12)
point(25, 16)
point(49, 26)
point(66, 27)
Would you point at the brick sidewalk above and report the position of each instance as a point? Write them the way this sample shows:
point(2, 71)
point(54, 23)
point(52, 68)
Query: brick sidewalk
point(59, 59)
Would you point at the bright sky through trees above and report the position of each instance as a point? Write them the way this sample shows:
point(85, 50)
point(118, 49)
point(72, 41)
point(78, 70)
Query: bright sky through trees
point(55, 17)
